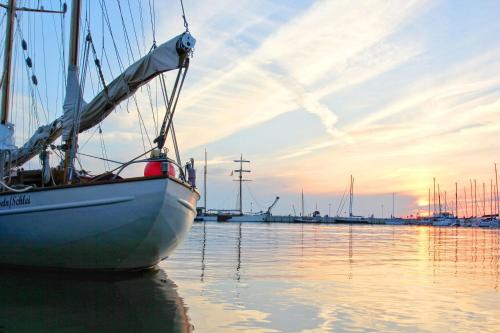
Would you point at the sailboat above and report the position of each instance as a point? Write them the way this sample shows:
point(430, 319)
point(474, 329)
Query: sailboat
point(62, 218)
point(351, 218)
point(238, 215)
point(315, 218)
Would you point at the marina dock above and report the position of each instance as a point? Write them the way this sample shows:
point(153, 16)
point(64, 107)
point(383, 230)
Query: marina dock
point(328, 220)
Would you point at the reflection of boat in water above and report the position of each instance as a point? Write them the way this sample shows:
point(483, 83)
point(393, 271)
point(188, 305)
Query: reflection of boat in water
point(395, 221)
point(49, 302)
point(444, 219)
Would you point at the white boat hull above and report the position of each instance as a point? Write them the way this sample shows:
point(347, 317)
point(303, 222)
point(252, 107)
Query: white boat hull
point(248, 218)
point(124, 225)
point(206, 218)
point(445, 222)
point(395, 222)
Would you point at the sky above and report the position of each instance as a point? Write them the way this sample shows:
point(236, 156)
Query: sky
point(311, 92)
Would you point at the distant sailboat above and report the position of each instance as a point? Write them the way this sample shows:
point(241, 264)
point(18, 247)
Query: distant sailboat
point(238, 215)
point(315, 218)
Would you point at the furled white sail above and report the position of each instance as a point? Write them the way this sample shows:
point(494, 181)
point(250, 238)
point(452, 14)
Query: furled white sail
point(165, 57)
point(71, 109)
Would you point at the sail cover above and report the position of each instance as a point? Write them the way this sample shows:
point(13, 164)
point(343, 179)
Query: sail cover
point(165, 57)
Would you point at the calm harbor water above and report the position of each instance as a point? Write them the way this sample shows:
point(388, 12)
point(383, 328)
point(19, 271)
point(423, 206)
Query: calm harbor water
point(280, 278)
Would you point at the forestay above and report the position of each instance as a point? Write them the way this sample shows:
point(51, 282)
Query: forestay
point(166, 57)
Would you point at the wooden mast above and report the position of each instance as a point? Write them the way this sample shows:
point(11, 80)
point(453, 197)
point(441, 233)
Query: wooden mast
point(73, 62)
point(7, 62)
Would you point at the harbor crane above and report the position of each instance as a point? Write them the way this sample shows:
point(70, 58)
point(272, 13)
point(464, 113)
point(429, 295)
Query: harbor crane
point(268, 212)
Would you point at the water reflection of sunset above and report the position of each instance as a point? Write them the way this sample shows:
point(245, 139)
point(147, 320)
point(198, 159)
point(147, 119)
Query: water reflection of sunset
point(315, 278)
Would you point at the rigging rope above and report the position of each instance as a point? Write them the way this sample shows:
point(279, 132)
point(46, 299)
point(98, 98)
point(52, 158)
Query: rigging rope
point(33, 81)
point(186, 25)
point(120, 63)
point(125, 33)
point(152, 17)
point(4, 185)
point(134, 29)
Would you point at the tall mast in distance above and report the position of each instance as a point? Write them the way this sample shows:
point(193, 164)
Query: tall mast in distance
point(484, 198)
point(351, 196)
point(456, 200)
point(302, 202)
point(392, 216)
point(205, 184)
point(491, 197)
point(241, 180)
point(496, 191)
point(7, 62)
point(429, 203)
point(465, 200)
point(471, 199)
point(439, 198)
point(434, 212)
point(475, 199)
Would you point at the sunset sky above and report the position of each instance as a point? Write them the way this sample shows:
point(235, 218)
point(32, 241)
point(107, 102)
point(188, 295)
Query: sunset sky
point(393, 92)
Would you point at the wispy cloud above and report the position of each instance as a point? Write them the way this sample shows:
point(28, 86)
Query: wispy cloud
point(323, 49)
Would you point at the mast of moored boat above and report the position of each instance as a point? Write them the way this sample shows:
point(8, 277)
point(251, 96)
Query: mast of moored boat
point(392, 215)
point(439, 199)
point(471, 200)
point(205, 185)
point(70, 145)
point(456, 199)
point(302, 202)
point(484, 198)
point(491, 197)
point(7, 61)
point(496, 198)
point(7, 72)
point(475, 199)
point(351, 196)
point(445, 202)
point(429, 203)
point(241, 180)
point(434, 212)
point(465, 201)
